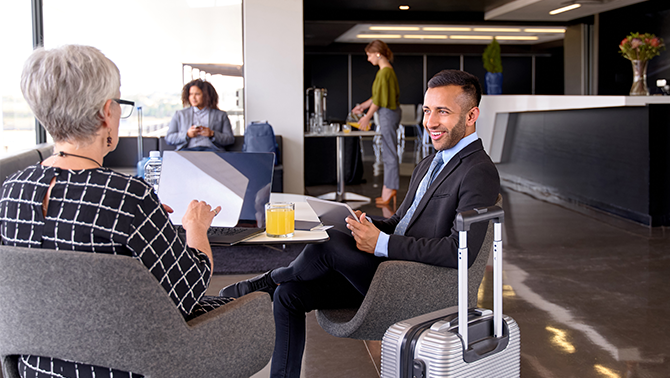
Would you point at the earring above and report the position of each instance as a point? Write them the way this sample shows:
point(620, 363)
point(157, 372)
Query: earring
point(109, 139)
point(377, 55)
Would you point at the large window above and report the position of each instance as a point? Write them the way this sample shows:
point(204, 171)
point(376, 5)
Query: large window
point(17, 124)
point(150, 41)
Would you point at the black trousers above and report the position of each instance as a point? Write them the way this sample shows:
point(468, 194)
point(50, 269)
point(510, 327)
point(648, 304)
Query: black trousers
point(334, 274)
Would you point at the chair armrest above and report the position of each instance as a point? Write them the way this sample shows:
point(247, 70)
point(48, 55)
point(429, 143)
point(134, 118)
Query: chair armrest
point(394, 295)
point(234, 340)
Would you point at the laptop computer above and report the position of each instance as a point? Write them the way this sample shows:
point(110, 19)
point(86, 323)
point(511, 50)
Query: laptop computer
point(239, 182)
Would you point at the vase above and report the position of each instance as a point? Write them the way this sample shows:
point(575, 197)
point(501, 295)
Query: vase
point(494, 83)
point(639, 87)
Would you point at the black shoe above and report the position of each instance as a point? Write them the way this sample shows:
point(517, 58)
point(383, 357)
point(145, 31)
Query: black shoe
point(261, 282)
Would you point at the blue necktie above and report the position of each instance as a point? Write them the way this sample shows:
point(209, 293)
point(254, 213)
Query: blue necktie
point(423, 186)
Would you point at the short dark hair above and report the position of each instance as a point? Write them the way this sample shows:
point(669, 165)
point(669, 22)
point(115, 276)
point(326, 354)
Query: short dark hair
point(468, 82)
point(209, 95)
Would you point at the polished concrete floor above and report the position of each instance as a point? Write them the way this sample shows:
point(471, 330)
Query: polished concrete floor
point(588, 290)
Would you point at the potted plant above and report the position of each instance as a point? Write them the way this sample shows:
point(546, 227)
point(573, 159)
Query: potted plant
point(493, 66)
point(639, 49)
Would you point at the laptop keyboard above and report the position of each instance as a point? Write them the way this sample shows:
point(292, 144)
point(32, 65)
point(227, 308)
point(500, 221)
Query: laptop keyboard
point(220, 230)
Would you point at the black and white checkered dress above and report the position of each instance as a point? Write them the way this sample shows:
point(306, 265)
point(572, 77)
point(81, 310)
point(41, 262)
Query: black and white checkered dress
point(101, 211)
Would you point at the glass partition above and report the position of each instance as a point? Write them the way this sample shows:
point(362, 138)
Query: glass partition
point(17, 123)
point(150, 42)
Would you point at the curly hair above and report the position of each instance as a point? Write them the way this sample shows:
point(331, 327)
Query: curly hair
point(209, 95)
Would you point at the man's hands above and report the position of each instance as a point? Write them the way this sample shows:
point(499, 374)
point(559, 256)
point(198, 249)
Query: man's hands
point(364, 232)
point(194, 131)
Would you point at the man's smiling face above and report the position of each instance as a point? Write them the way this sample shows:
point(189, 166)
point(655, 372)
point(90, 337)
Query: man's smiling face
point(448, 116)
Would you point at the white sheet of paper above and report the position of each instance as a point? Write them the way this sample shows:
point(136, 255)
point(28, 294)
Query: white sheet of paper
point(203, 176)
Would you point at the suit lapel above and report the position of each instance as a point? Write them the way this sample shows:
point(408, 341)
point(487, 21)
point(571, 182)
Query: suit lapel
point(446, 171)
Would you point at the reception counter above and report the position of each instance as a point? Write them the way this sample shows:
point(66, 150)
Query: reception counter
point(610, 153)
point(495, 111)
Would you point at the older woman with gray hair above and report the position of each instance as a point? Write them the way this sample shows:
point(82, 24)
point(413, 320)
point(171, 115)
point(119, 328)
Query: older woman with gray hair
point(71, 202)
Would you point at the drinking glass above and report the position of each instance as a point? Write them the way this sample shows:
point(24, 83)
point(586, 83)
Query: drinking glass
point(280, 219)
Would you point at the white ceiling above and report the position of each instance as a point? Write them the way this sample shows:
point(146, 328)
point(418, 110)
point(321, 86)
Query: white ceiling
point(538, 10)
point(464, 34)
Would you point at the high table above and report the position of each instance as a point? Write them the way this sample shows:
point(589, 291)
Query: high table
point(340, 194)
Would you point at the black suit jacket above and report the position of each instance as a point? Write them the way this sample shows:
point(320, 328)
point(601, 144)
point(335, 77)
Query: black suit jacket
point(470, 180)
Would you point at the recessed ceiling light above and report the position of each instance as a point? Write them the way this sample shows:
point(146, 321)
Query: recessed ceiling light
point(498, 30)
point(565, 9)
point(436, 28)
point(517, 37)
point(403, 28)
point(471, 37)
point(404, 7)
point(429, 36)
point(544, 30)
point(379, 36)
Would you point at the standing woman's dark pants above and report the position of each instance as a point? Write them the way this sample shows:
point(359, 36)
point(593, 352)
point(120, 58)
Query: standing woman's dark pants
point(334, 274)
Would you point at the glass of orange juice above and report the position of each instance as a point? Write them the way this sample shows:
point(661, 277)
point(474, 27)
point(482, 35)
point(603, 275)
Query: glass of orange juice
point(280, 219)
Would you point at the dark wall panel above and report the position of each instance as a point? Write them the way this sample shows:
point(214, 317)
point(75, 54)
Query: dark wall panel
point(474, 65)
point(438, 63)
point(659, 144)
point(363, 74)
point(409, 70)
point(517, 75)
point(549, 77)
point(330, 72)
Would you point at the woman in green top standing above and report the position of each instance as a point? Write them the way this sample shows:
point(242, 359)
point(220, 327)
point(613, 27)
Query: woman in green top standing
point(384, 101)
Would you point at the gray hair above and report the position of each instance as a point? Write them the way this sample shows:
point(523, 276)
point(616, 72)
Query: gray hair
point(67, 88)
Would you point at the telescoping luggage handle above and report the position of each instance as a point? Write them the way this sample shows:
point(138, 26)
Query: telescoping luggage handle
point(463, 222)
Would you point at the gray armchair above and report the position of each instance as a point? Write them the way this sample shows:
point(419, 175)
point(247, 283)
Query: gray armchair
point(110, 311)
point(402, 290)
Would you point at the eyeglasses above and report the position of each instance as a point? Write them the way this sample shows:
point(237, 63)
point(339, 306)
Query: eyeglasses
point(126, 107)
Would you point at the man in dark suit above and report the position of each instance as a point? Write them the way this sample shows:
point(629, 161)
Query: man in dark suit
point(337, 274)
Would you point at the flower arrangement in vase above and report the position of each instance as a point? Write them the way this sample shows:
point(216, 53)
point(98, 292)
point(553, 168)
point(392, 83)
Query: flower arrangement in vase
point(639, 49)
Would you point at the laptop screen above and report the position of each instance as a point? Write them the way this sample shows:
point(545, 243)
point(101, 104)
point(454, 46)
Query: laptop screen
point(239, 182)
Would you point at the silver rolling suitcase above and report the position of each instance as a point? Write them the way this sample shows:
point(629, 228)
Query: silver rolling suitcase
point(433, 345)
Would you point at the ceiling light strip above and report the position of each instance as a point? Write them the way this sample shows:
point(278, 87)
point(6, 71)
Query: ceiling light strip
point(452, 29)
point(497, 30)
point(379, 36)
point(564, 9)
point(428, 36)
point(517, 37)
point(396, 28)
point(529, 30)
point(471, 37)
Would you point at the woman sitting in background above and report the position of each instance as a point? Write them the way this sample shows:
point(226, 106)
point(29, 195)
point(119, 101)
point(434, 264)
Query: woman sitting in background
point(200, 126)
point(70, 202)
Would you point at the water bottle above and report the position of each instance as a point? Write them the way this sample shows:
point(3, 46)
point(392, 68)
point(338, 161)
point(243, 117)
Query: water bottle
point(152, 169)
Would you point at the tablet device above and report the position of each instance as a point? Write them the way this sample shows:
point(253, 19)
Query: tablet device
point(332, 213)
